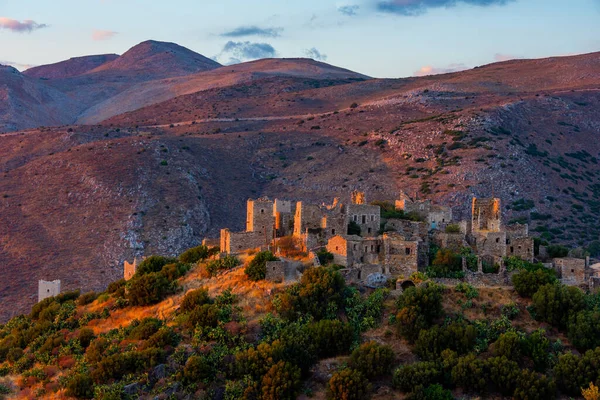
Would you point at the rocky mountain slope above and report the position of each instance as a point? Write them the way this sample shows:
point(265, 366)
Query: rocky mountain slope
point(78, 200)
point(71, 67)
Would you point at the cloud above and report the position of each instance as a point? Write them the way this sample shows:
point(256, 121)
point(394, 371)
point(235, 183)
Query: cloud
point(253, 31)
point(26, 26)
point(349, 10)
point(315, 54)
point(17, 65)
point(429, 70)
point(245, 51)
point(418, 7)
point(103, 35)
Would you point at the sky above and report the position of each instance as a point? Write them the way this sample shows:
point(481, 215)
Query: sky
point(380, 38)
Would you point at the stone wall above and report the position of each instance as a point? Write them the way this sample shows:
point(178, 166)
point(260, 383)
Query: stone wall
point(260, 217)
point(408, 229)
point(439, 217)
point(48, 289)
point(238, 242)
point(522, 247)
point(453, 241)
point(571, 271)
point(401, 257)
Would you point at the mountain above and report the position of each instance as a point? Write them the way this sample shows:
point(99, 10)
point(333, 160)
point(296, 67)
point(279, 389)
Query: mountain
point(28, 103)
point(72, 67)
point(77, 201)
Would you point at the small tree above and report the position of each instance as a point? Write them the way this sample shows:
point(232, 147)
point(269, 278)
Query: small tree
point(257, 268)
point(348, 384)
point(372, 359)
point(81, 386)
point(193, 299)
point(281, 382)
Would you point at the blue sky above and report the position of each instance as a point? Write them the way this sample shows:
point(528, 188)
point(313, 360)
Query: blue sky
point(381, 38)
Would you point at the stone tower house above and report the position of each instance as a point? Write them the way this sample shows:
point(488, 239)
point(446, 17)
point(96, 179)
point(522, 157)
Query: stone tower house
point(130, 269)
point(486, 215)
point(48, 289)
point(260, 217)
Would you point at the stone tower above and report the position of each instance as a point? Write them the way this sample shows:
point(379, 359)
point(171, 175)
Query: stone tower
point(358, 197)
point(48, 289)
point(260, 217)
point(486, 216)
point(130, 269)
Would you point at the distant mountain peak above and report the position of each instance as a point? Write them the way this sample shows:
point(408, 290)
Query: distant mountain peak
point(72, 67)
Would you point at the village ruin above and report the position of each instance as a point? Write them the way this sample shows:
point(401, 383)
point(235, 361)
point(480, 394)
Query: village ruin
point(368, 249)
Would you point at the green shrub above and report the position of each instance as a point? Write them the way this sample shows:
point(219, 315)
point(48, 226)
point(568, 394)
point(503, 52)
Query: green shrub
point(574, 372)
point(555, 303)
point(433, 392)
point(206, 315)
point(584, 330)
point(193, 299)
point(85, 336)
point(222, 264)
point(149, 288)
point(418, 308)
point(457, 336)
point(446, 264)
point(154, 264)
point(527, 283)
point(470, 291)
point(142, 330)
point(332, 338)
point(453, 228)
point(195, 254)
point(348, 384)
point(509, 345)
point(407, 377)
point(197, 369)
point(81, 386)
point(319, 294)
point(257, 268)
point(557, 251)
point(537, 347)
point(256, 361)
point(281, 382)
point(117, 288)
point(354, 228)
point(325, 257)
point(469, 373)
point(117, 365)
point(87, 298)
point(372, 359)
point(504, 374)
point(96, 349)
point(532, 386)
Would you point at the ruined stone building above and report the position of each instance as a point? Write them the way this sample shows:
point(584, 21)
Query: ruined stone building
point(490, 239)
point(260, 228)
point(366, 216)
point(315, 224)
point(436, 217)
point(129, 269)
point(48, 289)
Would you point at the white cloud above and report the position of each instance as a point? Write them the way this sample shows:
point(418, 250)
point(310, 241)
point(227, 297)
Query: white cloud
point(430, 70)
point(103, 35)
point(26, 26)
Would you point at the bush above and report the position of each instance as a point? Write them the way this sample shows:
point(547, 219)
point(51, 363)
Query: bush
point(85, 336)
point(433, 392)
point(143, 329)
point(354, 228)
point(446, 264)
point(222, 264)
point(197, 369)
point(527, 283)
point(457, 336)
point(87, 298)
point(453, 228)
point(584, 330)
point(532, 386)
point(470, 291)
point(153, 264)
point(257, 268)
point(147, 289)
point(81, 386)
point(508, 345)
point(117, 287)
point(332, 338)
point(407, 377)
point(557, 251)
point(319, 293)
point(418, 307)
point(206, 315)
point(117, 365)
point(469, 373)
point(348, 384)
point(281, 381)
point(573, 372)
point(372, 359)
point(537, 347)
point(504, 374)
point(325, 257)
point(96, 349)
point(193, 299)
point(195, 254)
point(555, 303)
point(256, 362)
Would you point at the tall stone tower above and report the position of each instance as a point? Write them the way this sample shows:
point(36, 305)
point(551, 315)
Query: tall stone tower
point(486, 216)
point(48, 289)
point(260, 218)
point(358, 197)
